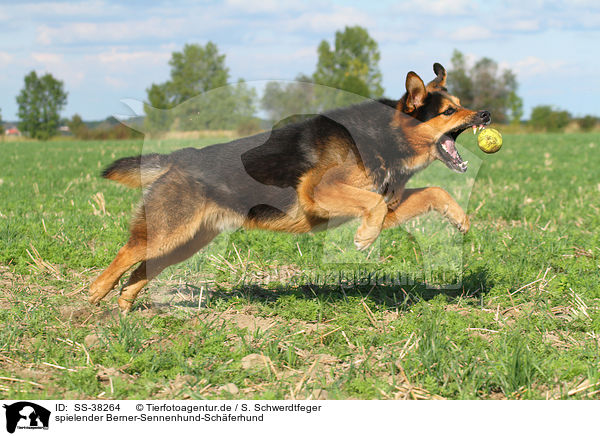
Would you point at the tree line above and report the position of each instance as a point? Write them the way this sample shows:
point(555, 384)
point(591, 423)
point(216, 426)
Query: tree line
point(198, 96)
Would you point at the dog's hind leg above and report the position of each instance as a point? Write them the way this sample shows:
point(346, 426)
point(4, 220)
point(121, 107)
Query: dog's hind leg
point(174, 221)
point(150, 268)
point(131, 253)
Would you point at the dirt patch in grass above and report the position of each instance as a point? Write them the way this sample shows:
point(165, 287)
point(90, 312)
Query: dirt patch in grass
point(245, 319)
point(8, 281)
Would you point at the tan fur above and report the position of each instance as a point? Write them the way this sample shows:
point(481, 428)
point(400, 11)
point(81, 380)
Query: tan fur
point(152, 267)
point(416, 202)
point(134, 178)
point(127, 256)
point(159, 241)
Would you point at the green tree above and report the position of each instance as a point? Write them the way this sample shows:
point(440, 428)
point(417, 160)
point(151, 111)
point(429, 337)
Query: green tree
point(221, 108)
point(282, 100)
point(77, 126)
point(515, 105)
point(197, 93)
point(351, 65)
point(195, 70)
point(588, 122)
point(243, 101)
point(485, 86)
point(40, 102)
point(547, 118)
point(458, 80)
point(157, 116)
point(1, 124)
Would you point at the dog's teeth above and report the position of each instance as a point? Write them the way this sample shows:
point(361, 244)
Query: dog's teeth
point(474, 130)
point(466, 162)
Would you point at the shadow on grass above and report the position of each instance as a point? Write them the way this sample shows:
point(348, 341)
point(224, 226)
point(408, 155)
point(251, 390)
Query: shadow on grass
point(378, 289)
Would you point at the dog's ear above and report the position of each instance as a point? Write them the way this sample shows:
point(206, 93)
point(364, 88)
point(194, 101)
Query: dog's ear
point(415, 92)
point(440, 80)
point(440, 73)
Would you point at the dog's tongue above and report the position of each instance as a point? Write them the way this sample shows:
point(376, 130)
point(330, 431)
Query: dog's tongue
point(450, 147)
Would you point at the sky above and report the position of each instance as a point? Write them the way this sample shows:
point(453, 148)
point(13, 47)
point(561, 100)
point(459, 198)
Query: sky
point(106, 51)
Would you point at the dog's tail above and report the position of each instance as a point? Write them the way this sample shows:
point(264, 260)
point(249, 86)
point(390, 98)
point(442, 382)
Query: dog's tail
point(136, 171)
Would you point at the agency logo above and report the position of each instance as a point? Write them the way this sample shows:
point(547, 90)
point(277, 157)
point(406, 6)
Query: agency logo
point(24, 415)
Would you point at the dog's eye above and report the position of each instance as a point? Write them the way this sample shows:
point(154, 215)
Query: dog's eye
point(449, 111)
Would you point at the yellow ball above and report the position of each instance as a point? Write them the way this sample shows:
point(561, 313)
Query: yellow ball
point(489, 140)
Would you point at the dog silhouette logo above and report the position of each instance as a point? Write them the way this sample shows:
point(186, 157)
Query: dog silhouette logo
point(26, 415)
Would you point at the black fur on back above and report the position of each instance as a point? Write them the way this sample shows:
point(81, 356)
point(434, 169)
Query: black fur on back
point(263, 171)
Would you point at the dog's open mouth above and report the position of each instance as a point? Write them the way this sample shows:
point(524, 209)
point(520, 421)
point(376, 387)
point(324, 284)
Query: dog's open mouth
point(447, 148)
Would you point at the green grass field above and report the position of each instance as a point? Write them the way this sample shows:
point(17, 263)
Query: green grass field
point(284, 316)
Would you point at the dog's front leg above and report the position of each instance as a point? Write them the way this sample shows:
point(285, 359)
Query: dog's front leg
point(416, 202)
point(370, 227)
point(338, 199)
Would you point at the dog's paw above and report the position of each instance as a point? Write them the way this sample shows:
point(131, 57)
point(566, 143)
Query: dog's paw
point(365, 237)
point(125, 304)
point(95, 296)
point(464, 225)
point(362, 245)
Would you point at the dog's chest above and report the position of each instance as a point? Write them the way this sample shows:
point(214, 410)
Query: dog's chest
point(391, 186)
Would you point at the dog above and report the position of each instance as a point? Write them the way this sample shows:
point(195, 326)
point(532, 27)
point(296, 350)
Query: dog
point(352, 162)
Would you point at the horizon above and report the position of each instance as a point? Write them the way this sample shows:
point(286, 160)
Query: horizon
point(105, 52)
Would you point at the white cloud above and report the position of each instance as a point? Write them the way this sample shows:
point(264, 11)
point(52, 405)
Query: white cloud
point(115, 82)
point(123, 58)
point(572, 15)
point(280, 62)
point(44, 35)
point(263, 6)
point(471, 33)
point(508, 16)
point(47, 58)
point(93, 9)
point(532, 66)
point(523, 25)
point(56, 64)
point(395, 36)
point(329, 21)
point(81, 32)
point(304, 53)
point(5, 57)
point(438, 7)
point(590, 20)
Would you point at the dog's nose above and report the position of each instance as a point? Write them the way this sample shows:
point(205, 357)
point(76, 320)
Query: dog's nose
point(484, 115)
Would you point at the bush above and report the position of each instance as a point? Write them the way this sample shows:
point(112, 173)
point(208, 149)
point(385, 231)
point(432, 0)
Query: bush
point(588, 122)
point(108, 129)
point(549, 119)
point(248, 127)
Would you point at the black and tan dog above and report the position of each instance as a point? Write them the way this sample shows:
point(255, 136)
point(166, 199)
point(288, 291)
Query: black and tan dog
point(352, 162)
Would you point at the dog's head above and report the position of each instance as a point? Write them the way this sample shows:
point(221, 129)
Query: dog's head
point(432, 118)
